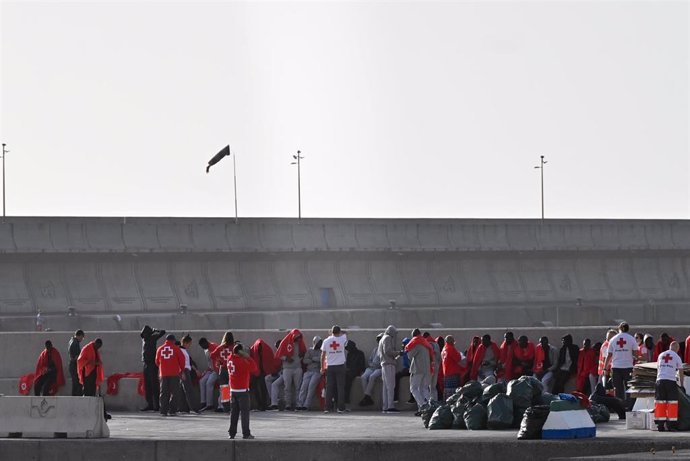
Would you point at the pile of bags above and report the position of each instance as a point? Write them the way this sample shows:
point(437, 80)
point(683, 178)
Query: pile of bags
point(521, 404)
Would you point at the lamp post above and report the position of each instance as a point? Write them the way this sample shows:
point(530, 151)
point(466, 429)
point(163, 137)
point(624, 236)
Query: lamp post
point(4, 153)
point(298, 157)
point(542, 162)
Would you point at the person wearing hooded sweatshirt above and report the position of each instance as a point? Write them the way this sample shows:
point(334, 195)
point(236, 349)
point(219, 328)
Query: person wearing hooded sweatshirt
point(312, 376)
point(48, 376)
point(421, 356)
point(371, 374)
point(403, 371)
point(388, 356)
point(149, 338)
point(485, 361)
point(355, 364)
point(469, 353)
point(291, 351)
point(586, 367)
point(240, 366)
point(664, 342)
point(170, 361)
point(566, 365)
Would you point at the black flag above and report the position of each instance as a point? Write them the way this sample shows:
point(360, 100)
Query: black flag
point(225, 151)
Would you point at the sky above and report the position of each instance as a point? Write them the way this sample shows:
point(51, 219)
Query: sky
point(410, 109)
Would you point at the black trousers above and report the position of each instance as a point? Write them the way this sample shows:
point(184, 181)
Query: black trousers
point(560, 378)
point(169, 385)
point(77, 388)
point(90, 384)
point(43, 383)
point(335, 383)
point(190, 394)
point(620, 378)
point(259, 392)
point(349, 378)
point(240, 407)
point(151, 385)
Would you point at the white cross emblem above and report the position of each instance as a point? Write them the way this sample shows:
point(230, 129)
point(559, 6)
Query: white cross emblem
point(224, 354)
point(289, 348)
point(232, 368)
point(167, 352)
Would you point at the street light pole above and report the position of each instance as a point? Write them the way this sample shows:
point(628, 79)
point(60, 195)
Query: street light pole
point(4, 153)
point(298, 157)
point(541, 167)
point(234, 180)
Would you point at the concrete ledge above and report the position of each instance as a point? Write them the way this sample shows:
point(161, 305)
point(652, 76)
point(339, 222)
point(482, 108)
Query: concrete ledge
point(362, 450)
point(46, 417)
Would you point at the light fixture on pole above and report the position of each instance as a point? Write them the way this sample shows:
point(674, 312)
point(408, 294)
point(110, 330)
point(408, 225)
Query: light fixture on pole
point(224, 152)
point(298, 157)
point(541, 167)
point(4, 153)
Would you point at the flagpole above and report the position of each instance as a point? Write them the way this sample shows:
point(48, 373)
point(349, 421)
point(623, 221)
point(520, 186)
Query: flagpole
point(4, 153)
point(234, 178)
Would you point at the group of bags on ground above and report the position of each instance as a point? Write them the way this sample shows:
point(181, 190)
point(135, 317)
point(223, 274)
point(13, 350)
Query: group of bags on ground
point(521, 404)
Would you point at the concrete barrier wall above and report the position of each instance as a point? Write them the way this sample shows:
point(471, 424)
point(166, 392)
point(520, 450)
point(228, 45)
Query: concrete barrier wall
point(148, 283)
point(164, 235)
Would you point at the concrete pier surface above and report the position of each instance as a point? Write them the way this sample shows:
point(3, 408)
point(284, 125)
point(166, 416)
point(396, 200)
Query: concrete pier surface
point(361, 436)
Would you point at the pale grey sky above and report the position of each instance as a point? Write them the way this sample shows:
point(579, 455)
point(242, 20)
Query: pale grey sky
point(406, 109)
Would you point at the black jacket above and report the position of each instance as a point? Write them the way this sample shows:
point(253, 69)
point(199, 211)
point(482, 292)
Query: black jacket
point(149, 337)
point(356, 362)
point(568, 347)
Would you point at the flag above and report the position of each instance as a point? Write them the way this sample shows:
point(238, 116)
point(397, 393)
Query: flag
point(225, 151)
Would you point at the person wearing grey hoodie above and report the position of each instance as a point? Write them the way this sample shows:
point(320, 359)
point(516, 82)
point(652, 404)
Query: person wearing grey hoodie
point(388, 355)
point(311, 378)
point(371, 374)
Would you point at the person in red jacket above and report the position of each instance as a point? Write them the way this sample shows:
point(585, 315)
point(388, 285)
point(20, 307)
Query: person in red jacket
point(524, 355)
point(170, 362)
point(49, 376)
point(262, 353)
point(587, 364)
point(485, 361)
point(506, 362)
point(662, 346)
point(469, 354)
point(220, 357)
point(90, 367)
point(453, 365)
point(240, 367)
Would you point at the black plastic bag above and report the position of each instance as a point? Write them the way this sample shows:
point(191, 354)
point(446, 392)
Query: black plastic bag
point(520, 391)
point(500, 412)
point(428, 410)
point(683, 410)
point(458, 411)
point(475, 417)
point(491, 391)
point(442, 418)
point(599, 413)
point(471, 390)
point(533, 422)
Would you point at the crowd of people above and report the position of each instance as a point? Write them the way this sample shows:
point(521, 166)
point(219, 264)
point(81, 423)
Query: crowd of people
point(289, 375)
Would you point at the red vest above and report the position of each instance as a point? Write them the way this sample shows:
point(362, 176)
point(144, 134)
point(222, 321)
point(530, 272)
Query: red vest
point(169, 359)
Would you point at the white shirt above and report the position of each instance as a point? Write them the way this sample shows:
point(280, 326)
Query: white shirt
point(622, 347)
point(667, 367)
point(187, 364)
point(334, 347)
